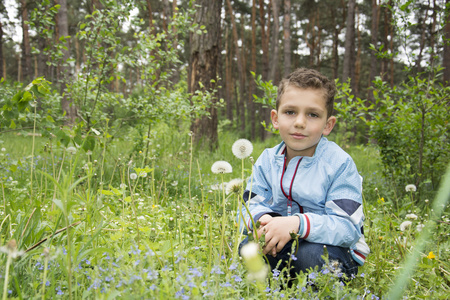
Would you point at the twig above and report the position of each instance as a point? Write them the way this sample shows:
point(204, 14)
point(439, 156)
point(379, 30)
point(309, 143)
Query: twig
point(29, 219)
point(56, 232)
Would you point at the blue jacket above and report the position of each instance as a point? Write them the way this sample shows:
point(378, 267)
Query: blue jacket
point(326, 195)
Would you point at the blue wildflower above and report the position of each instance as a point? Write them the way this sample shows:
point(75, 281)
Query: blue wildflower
point(293, 257)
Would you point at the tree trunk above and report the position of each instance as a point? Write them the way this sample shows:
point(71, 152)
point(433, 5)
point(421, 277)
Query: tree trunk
point(287, 37)
point(265, 63)
point(252, 84)
point(374, 41)
point(274, 43)
point(349, 55)
point(228, 77)
point(2, 58)
point(63, 74)
point(433, 35)
point(239, 65)
point(358, 57)
point(150, 18)
point(203, 65)
point(446, 54)
point(27, 65)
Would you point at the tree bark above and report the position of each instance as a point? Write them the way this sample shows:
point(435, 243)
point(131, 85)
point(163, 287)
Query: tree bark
point(2, 58)
point(252, 84)
point(265, 62)
point(374, 41)
point(228, 77)
point(349, 55)
point(63, 68)
point(239, 65)
point(273, 67)
point(287, 37)
point(203, 65)
point(446, 52)
point(27, 66)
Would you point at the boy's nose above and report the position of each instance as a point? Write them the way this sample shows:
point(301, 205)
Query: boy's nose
point(300, 121)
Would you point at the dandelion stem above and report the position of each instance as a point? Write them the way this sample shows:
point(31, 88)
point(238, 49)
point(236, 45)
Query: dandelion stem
point(5, 285)
point(45, 277)
point(190, 166)
point(32, 156)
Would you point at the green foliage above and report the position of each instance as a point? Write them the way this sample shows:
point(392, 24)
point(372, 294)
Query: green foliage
point(35, 102)
point(409, 124)
point(268, 99)
point(145, 236)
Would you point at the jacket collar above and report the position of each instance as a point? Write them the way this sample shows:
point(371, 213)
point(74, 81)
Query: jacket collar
point(307, 161)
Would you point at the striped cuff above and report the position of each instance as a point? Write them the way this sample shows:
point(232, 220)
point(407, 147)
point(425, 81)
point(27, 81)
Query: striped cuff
point(358, 257)
point(305, 226)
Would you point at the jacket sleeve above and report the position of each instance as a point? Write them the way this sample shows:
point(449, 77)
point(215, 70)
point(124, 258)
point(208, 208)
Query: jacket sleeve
point(258, 194)
point(341, 223)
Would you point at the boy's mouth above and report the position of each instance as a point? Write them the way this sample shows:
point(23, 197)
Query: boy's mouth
point(298, 136)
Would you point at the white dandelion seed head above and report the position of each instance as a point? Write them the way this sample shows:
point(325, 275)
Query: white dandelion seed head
point(221, 167)
point(242, 148)
point(174, 183)
point(419, 227)
point(3, 149)
point(405, 225)
point(411, 216)
point(71, 150)
point(234, 186)
point(123, 186)
point(410, 188)
point(249, 250)
point(133, 176)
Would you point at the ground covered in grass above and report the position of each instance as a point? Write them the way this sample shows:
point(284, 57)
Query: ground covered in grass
point(123, 222)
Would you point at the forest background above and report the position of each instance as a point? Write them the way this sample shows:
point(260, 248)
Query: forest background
point(92, 75)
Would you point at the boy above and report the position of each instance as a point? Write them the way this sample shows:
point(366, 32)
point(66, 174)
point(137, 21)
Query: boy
point(307, 185)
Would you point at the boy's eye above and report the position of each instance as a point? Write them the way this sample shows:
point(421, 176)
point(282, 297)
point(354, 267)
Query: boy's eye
point(290, 112)
point(313, 115)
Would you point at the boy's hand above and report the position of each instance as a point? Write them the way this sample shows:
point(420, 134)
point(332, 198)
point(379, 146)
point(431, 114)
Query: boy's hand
point(277, 231)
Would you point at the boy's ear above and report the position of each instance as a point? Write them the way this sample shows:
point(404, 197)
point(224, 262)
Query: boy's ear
point(274, 117)
point(329, 126)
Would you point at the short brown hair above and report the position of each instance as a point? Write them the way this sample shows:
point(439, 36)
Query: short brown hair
point(309, 79)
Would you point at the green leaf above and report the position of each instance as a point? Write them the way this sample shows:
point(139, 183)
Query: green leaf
point(107, 193)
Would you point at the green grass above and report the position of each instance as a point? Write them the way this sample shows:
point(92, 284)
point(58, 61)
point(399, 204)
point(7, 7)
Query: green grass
point(159, 236)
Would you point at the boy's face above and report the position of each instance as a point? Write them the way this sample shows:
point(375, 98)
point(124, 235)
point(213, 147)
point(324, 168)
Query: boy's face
point(302, 119)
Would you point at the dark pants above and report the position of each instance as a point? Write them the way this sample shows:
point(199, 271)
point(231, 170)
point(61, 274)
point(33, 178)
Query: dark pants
point(309, 255)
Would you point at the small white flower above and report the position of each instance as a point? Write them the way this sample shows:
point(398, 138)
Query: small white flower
point(143, 174)
point(242, 148)
point(3, 149)
point(221, 167)
point(234, 186)
point(174, 183)
point(419, 227)
point(411, 216)
point(405, 225)
point(133, 176)
point(89, 153)
point(410, 188)
point(123, 186)
point(71, 150)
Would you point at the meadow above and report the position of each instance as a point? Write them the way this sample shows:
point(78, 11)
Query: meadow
point(121, 222)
